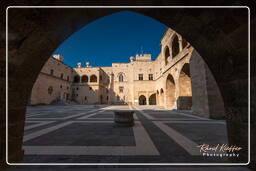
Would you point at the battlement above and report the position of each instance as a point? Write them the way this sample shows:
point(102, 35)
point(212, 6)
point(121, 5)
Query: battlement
point(143, 57)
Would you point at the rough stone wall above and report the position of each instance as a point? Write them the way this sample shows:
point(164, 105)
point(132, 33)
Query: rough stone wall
point(121, 97)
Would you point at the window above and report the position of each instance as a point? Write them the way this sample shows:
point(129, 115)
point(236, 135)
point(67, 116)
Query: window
point(84, 79)
point(150, 76)
point(50, 90)
point(51, 72)
point(90, 88)
point(121, 89)
point(67, 88)
point(61, 75)
point(77, 88)
point(76, 79)
point(60, 86)
point(67, 78)
point(140, 76)
point(121, 78)
point(93, 78)
point(175, 46)
point(85, 98)
point(107, 98)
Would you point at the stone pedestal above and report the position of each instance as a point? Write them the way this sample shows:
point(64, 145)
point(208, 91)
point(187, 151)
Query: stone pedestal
point(124, 118)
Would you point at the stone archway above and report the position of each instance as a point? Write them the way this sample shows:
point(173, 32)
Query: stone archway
point(170, 91)
point(175, 46)
point(152, 99)
point(184, 101)
point(142, 100)
point(93, 78)
point(84, 79)
point(27, 55)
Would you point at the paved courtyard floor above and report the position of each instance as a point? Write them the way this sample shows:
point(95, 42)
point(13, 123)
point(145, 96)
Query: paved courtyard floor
point(87, 134)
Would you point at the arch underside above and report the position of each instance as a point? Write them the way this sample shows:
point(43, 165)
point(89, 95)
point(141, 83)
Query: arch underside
point(27, 55)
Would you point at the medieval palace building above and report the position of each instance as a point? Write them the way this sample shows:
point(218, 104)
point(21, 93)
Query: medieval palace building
point(177, 79)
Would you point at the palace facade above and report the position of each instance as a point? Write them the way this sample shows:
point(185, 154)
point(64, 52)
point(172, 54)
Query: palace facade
point(177, 79)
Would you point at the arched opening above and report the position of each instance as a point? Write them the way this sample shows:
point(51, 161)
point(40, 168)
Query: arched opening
point(170, 92)
point(93, 78)
point(120, 78)
point(184, 101)
point(166, 54)
point(76, 79)
point(175, 46)
point(142, 100)
point(76, 20)
point(152, 99)
point(161, 98)
point(84, 79)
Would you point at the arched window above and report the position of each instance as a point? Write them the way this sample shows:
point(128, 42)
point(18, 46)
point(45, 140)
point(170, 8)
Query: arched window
point(142, 100)
point(50, 90)
point(76, 79)
point(121, 78)
point(175, 46)
point(93, 78)
point(152, 99)
point(85, 79)
point(161, 91)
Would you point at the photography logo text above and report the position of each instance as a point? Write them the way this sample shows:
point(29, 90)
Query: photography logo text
point(219, 150)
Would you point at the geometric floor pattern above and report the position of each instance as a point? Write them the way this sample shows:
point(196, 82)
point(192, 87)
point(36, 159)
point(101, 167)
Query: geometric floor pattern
point(87, 134)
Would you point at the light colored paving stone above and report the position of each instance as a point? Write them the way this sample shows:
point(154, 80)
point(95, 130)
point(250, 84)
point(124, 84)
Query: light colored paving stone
point(45, 131)
point(90, 115)
point(184, 142)
point(39, 123)
point(67, 117)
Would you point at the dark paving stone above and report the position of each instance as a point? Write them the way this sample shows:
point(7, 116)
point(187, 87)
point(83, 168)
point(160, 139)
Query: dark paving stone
point(176, 116)
point(203, 133)
point(52, 115)
point(87, 134)
point(31, 123)
point(103, 116)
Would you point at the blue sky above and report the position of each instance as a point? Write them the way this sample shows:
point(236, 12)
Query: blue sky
point(113, 38)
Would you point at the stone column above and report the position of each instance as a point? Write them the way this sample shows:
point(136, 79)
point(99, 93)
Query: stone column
point(206, 97)
point(180, 43)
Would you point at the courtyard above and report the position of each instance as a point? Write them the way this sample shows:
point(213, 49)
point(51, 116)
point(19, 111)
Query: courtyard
point(87, 134)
